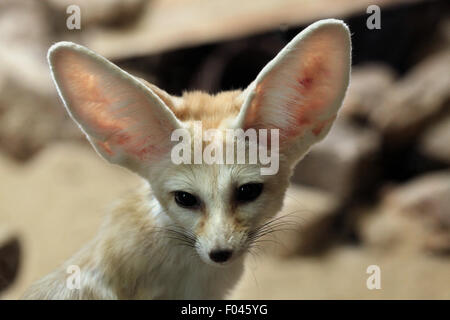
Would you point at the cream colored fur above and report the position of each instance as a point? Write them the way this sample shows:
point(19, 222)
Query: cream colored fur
point(150, 247)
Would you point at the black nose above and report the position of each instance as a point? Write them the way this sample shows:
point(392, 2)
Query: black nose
point(220, 255)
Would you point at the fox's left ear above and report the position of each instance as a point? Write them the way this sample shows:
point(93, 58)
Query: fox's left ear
point(127, 122)
point(300, 91)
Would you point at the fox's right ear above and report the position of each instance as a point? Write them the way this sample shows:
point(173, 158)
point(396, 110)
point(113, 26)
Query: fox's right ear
point(301, 90)
point(125, 121)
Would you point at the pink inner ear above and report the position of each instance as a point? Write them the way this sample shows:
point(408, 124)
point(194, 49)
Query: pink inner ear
point(95, 112)
point(92, 106)
point(298, 94)
point(311, 95)
point(304, 103)
point(111, 109)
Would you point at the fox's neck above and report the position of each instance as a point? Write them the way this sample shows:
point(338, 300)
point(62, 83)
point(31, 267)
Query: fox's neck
point(138, 260)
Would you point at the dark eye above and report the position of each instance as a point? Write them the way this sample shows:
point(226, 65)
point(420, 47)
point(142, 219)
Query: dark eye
point(186, 200)
point(249, 192)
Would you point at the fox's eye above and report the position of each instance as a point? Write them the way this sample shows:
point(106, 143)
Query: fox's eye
point(249, 192)
point(186, 200)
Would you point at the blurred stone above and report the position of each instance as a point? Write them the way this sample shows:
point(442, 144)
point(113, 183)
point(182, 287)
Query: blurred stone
point(416, 214)
point(9, 258)
point(24, 23)
point(342, 163)
point(158, 29)
point(303, 224)
point(426, 197)
point(384, 229)
point(413, 101)
point(444, 31)
point(26, 36)
point(435, 141)
point(109, 12)
point(369, 84)
point(31, 114)
point(440, 40)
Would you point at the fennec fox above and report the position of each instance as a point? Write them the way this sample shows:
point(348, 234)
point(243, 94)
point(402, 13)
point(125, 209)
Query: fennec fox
point(185, 233)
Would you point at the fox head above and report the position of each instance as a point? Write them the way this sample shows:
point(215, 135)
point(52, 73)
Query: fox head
point(220, 207)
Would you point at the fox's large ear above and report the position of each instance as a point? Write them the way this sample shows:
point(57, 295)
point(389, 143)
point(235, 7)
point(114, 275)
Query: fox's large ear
point(300, 91)
point(126, 122)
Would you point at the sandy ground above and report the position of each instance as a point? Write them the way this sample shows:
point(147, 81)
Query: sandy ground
point(342, 275)
point(56, 202)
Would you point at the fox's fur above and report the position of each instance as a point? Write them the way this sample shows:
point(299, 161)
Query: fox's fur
point(149, 247)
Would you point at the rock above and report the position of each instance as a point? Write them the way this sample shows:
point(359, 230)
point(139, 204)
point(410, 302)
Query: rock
point(384, 229)
point(31, 114)
point(24, 61)
point(440, 39)
point(426, 197)
point(413, 101)
point(158, 29)
point(416, 214)
point(369, 84)
point(10, 256)
point(302, 224)
point(106, 12)
point(24, 23)
point(435, 141)
point(342, 163)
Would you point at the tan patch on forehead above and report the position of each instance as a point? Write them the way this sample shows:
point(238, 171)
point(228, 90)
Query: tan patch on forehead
point(212, 110)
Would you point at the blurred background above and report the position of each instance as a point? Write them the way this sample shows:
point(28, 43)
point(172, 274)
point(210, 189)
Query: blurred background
point(376, 191)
